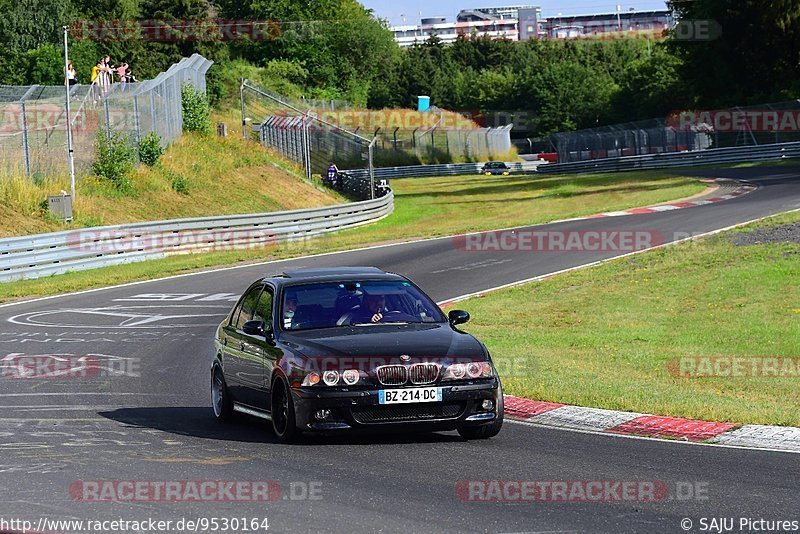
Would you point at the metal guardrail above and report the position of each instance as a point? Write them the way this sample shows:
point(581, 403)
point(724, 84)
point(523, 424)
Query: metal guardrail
point(714, 156)
point(41, 255)
point(449, 169)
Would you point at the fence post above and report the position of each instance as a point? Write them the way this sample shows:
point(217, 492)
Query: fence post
point(153, 111)
point(136, 119)
point(371, 168)
point(306, 147)
point(25, 147)
point(241, 99)
point(108, 118)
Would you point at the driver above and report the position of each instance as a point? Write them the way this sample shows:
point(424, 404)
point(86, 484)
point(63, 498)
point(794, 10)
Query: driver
point(371, 310)
point(289, 308)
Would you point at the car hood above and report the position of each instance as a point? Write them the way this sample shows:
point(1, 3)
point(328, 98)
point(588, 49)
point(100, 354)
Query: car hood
point(421, 342)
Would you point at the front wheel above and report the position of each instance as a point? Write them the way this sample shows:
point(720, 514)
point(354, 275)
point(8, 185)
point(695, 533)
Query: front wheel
point(220, 397)
point(283, 416)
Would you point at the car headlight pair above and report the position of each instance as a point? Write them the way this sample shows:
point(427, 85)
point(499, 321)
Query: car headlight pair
point(348, 377)
point(461, 371)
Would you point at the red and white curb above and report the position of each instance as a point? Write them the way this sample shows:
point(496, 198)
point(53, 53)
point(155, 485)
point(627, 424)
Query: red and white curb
point(743, 189)
point(651, 426)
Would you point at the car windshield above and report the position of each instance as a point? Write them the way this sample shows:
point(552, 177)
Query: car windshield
point(328, 305)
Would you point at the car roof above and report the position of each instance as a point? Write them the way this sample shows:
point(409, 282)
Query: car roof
point(331, 274)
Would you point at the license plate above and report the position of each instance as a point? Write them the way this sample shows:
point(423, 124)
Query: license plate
point(406, 396)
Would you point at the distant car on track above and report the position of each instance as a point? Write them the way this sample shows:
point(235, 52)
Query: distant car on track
point(496, 168)
point(344, 348)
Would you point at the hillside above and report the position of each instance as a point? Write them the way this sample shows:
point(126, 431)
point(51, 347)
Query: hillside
point(198, 176)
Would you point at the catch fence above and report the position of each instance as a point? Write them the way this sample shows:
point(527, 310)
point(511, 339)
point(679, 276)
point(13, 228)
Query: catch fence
point(33, 119)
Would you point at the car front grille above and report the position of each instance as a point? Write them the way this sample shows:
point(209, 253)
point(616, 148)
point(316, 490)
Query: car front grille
point(411, 412)
point(392, 375)
point(423, 373)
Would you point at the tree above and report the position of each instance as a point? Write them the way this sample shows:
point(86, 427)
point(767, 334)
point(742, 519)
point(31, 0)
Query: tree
point(756, 57)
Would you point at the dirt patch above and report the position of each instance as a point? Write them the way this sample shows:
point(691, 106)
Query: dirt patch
point(787, 233)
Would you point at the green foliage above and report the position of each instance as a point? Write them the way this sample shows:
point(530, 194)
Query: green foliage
point(755, 59)
point(179, 183)
point(150, 149)
point(115, 158)
point(196, 110)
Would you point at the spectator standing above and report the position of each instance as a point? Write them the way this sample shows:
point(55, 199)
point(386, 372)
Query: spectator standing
point(71, 76)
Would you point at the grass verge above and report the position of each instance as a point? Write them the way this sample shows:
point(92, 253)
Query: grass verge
point(610, 336)
point(423, 208)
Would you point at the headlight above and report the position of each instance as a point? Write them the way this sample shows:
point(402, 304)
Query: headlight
point(459, 371)
point(351, 377)
point(311, 379)
point(331, 378)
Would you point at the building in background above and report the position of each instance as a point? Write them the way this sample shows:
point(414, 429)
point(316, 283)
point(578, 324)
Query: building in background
point(523, 23)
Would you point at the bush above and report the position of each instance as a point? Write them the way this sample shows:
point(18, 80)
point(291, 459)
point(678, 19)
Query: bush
point(114, 159)
point(196, 110)
point(180, 184)
point(150, 149)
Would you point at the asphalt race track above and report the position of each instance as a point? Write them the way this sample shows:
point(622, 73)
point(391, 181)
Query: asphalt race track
point(153, 422)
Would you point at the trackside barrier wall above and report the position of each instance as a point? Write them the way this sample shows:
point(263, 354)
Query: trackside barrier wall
point(41, 255)
point(715, 156)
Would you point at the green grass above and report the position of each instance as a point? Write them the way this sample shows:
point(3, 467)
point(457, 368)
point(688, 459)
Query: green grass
point(604, 337)
point(423, 208)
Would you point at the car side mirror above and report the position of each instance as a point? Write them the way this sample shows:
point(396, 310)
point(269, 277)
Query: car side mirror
point(254, 328)
point(458, 317)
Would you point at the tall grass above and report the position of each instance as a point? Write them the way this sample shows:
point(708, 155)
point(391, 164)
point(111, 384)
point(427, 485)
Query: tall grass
point(28, 195)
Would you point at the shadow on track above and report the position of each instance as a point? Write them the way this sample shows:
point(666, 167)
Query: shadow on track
point(199, 422)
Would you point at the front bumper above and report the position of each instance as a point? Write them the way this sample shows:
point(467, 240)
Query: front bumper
point(359, 408)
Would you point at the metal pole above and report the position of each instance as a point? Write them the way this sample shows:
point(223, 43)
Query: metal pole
point(25, 147)
point(372, 169)
point(70, 149)
point(108, 117)
point(136, 119)
point(241, 99)
point(307, 147)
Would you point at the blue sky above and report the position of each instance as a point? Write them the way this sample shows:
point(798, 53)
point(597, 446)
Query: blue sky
point(394, 9)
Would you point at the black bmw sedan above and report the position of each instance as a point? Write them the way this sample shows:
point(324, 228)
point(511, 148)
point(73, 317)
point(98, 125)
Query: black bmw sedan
point(334, 349)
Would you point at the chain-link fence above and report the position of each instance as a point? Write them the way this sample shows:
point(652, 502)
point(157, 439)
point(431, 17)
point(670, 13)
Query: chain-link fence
point(296, 131)
point(33, 119)
point(684, 131)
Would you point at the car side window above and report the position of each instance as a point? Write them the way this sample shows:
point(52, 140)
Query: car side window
point(249, 303)
point(263, 310)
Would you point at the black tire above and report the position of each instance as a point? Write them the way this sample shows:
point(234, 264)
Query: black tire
point(221, 400)
point(485, 431)
point(284, 423)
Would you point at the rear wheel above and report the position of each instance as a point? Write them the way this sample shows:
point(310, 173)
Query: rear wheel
point(485, 431)
point(283, 417)
point(220, 397)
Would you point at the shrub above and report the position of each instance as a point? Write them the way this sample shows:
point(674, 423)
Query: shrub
point(196, 110)
point(150, 149)
point(114, 159)
point(179, 183)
